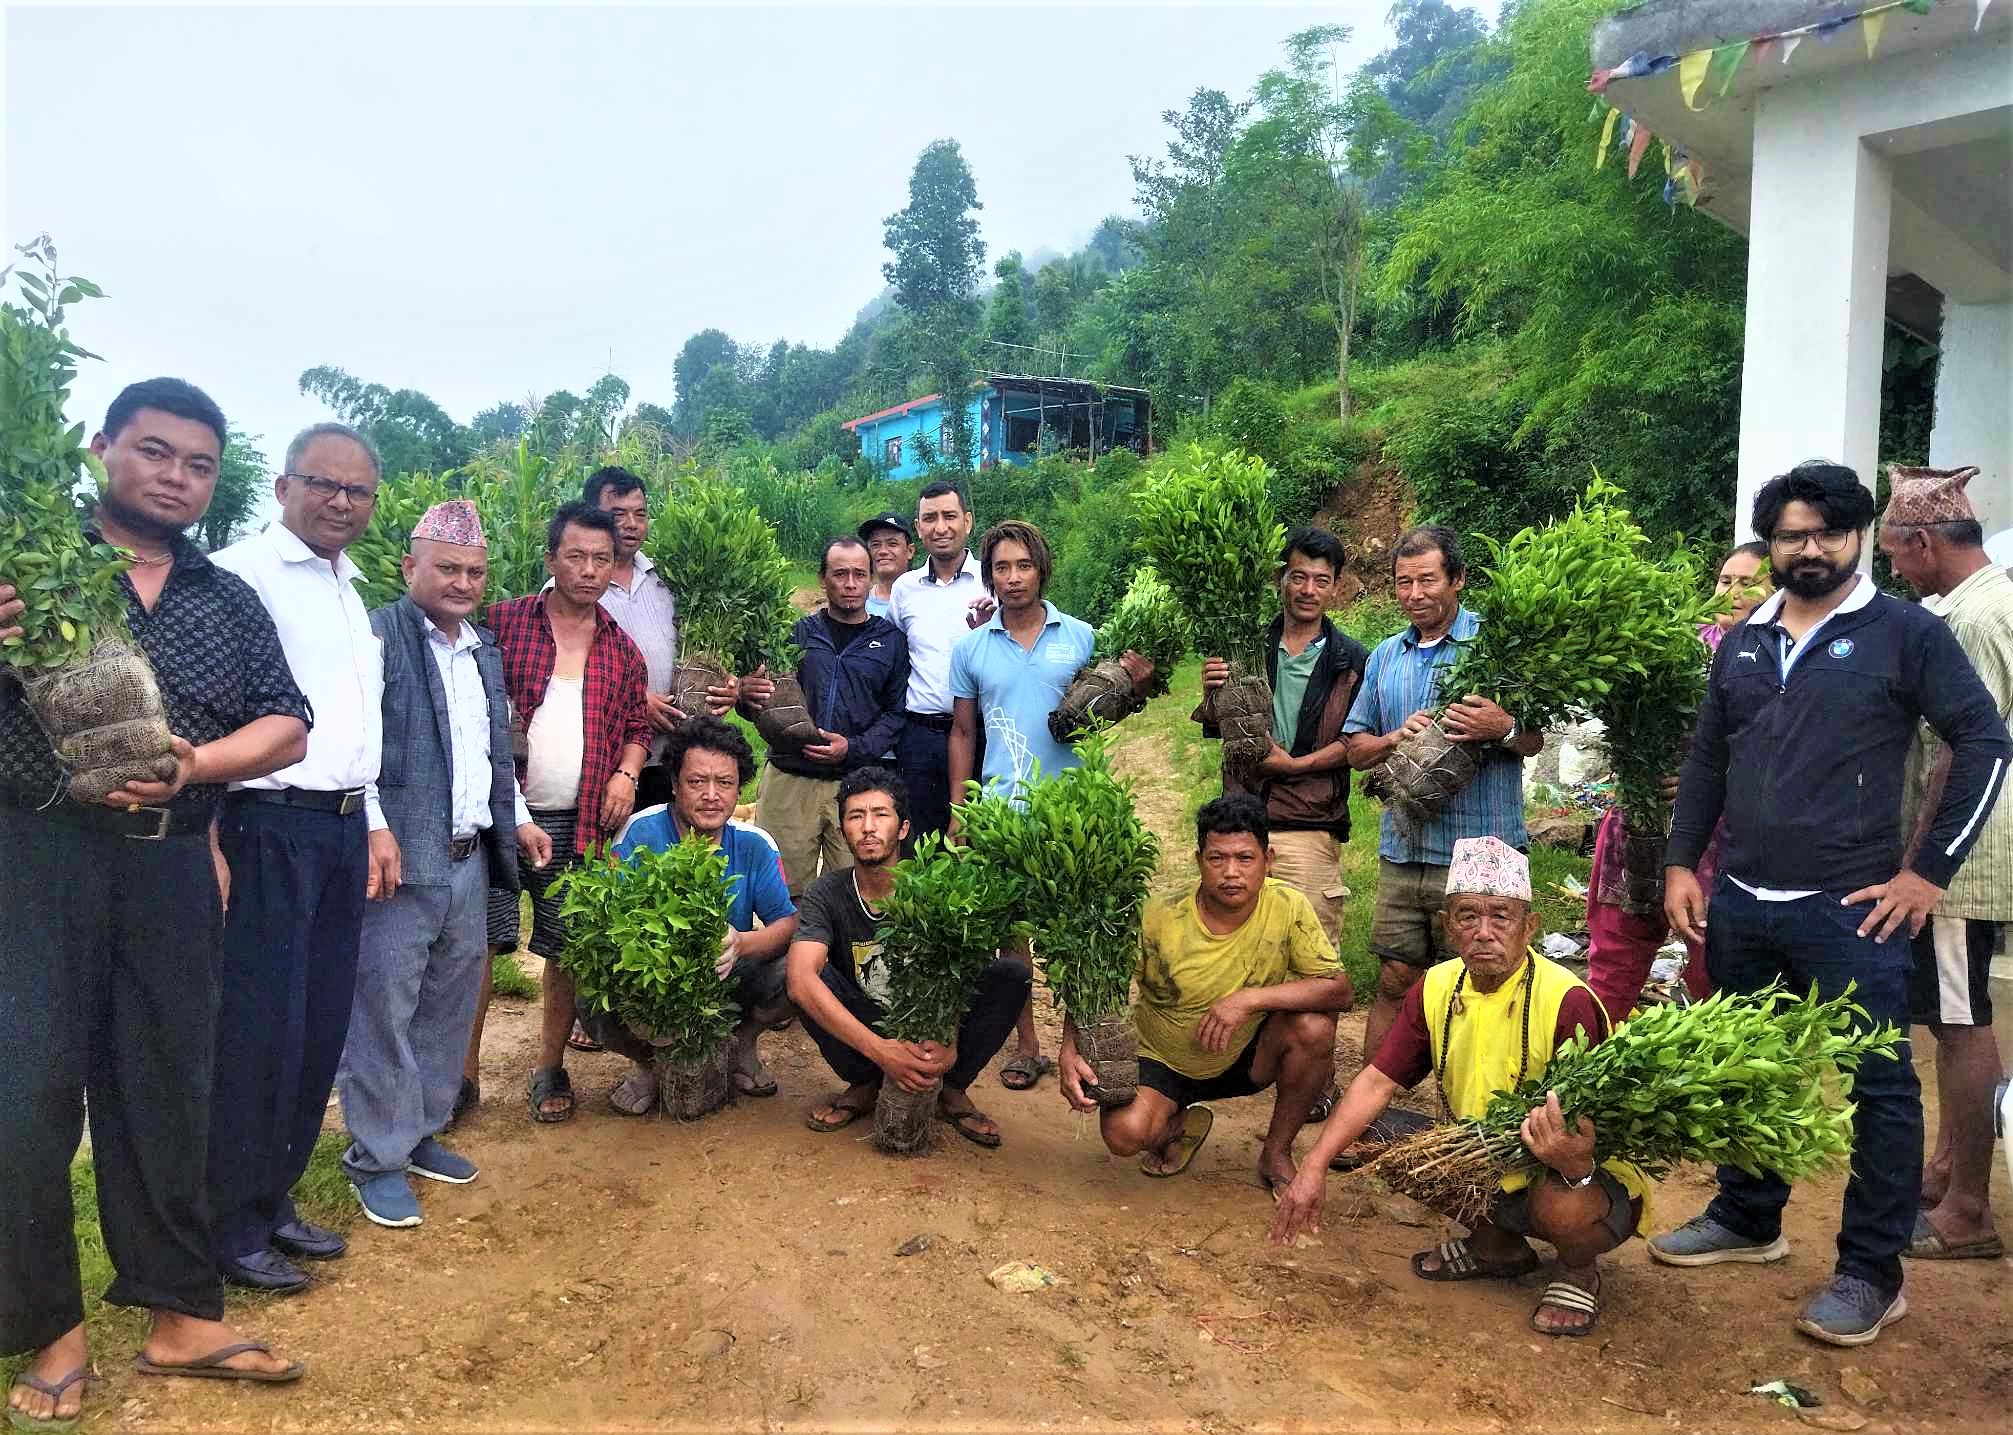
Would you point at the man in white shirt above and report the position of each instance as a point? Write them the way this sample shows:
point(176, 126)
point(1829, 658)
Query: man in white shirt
point(442, 816)
point(934, 606)
point(296, 848)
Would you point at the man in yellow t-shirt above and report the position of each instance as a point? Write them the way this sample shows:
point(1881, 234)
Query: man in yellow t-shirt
point(1238, 990)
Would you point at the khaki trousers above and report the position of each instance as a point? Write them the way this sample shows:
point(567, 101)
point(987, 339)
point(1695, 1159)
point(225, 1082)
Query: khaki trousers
point(1311, 863)
point(802, 815)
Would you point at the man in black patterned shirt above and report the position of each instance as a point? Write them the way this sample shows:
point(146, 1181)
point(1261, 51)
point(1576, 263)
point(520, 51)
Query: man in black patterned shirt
point(109, 948)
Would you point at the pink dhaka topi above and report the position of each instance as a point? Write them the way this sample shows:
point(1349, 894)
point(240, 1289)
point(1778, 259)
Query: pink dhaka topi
point(455, 521)
point(1489, 867)
point(1917, 497)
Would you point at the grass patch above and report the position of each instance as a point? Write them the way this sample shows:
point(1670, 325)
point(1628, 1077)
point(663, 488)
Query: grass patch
point(323, 1196)
point(508, 978)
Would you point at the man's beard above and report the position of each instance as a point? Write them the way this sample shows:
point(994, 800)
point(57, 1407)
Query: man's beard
point(139, 524)
point(1808, 579)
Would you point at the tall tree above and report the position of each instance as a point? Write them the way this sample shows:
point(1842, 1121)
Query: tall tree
point(1301, 146)
point(1006, 314)
point(935, 273)
point(411, 431)
point(242, 483)
point(702, 353)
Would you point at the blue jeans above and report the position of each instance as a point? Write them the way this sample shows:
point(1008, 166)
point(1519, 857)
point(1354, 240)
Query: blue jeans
point(1750, 943)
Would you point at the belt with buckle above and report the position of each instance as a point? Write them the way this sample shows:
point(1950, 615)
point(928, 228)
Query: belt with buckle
point(144, 824)
point(342, 804)
point(935, 722)
point(460, 849)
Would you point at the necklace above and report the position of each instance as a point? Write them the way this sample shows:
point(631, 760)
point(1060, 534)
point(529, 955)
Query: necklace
point(138, 562)
point(860, 897)
point(1447, 1029)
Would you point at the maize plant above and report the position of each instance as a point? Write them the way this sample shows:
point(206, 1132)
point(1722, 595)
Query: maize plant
point(1757, 1080)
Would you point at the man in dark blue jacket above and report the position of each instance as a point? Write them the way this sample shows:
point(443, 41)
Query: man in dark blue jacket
point(1801, 743)
point(855, 673)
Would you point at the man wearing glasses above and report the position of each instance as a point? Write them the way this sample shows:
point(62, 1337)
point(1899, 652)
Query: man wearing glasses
point(296, 849)
point(1802, 739)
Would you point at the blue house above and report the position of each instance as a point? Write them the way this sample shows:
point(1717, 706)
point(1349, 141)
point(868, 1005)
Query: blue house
point(1013, 417)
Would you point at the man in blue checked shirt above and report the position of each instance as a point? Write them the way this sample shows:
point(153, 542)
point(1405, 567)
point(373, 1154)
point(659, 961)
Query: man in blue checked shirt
point(1400, 691)
point(1009, 674)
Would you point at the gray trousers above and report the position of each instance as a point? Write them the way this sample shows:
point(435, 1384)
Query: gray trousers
point(419, 971)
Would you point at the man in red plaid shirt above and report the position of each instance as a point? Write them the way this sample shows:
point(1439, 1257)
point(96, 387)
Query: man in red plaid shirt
point(581, 729)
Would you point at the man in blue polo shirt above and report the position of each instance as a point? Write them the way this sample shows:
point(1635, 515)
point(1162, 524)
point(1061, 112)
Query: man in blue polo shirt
point(709, 763)
point(1006, 678)
point(1399, 693)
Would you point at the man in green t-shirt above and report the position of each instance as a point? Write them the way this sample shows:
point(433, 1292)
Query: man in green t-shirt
point(1238, 991)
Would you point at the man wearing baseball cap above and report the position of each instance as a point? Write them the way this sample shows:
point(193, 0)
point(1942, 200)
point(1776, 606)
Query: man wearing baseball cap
point(891, 548)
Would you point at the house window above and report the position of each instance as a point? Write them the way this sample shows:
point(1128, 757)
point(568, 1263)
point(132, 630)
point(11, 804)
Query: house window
point(892, 454)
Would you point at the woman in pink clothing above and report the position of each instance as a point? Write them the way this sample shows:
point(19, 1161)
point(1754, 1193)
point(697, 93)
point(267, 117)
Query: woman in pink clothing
point(1625, 913)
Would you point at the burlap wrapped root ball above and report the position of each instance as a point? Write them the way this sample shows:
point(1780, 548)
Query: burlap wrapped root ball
point(1242, 712)
point(689, 1090)
point(690, 680)
point(105, 720)
point(1420, 775)
point(1111, 1045)
point(905, 1120)
point(1099, 695)
point(785, 720)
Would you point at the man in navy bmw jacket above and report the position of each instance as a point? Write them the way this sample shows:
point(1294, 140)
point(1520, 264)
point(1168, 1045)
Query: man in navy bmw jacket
point(1807, 722)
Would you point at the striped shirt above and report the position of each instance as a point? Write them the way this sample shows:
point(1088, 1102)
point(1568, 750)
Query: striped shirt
point(1403, 678)
point(648, 612)
point(1980, 614)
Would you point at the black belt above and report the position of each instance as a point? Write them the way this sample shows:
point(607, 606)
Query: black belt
point(460, 849)
point(342, 804)
point(935, 722)
point(144, 824)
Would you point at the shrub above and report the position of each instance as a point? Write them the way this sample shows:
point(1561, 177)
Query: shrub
point(1206, 523)
point(950, 912)
point(719, 555)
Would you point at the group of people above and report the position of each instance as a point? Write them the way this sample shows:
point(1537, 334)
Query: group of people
point(311, 901)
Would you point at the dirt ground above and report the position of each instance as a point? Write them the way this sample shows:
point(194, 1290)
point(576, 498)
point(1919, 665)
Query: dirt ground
point(745, 1273)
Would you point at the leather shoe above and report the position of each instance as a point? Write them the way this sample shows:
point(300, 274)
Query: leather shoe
point(305, 1241)
point(265, 1270)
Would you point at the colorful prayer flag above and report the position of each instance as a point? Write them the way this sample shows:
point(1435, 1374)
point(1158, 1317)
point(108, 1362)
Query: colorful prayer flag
point(1872, 23)
point(1691, 73)
point(1725, 64)
point(1607, 138)
point(1789, 44)
point(1637, 145)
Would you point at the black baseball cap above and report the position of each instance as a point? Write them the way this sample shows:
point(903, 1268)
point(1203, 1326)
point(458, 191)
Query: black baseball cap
point(889, 519)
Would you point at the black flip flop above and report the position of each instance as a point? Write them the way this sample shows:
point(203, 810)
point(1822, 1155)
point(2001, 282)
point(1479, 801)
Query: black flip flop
point(847, 1115)
point(958, 1122)
point(54, 1389)
point(212, 1367)
point(548, 1083)
point(1031, 1069)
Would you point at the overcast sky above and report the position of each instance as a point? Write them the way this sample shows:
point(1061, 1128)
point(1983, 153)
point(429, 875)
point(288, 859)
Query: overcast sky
point(485, 203)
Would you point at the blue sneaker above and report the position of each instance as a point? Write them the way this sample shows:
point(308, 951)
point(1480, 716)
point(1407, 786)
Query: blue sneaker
point(435, 1162)
point(1850, 1311)
point(1702, 1241)
point(387, 1199)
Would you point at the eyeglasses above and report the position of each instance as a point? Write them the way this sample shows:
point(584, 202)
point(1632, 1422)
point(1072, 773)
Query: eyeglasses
point(1829, 540)
point(327, 488)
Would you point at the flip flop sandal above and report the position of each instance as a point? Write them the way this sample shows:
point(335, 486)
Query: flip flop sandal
point(581, 1041)
point(1564, 1295)
point(634, 1095)
point(1275, 1186)
point(960, 1123)
point(1029, 1069)
point(551, 1083)
point(749, 1085)
point(847, 1115)
point(1324, 1105)
point(1194, 1132)
point(1459, 1263)
point(1927, 1243)
point(212, 1367)
point(22, 1420)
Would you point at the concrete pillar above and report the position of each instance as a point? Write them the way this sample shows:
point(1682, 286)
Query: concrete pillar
point(1816, 293)
point(1974, 405)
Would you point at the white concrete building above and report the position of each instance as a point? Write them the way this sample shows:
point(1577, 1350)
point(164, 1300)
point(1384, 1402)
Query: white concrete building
point(1851, 176)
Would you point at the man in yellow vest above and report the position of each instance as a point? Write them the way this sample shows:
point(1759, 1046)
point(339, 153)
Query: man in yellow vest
point(1483, 1022)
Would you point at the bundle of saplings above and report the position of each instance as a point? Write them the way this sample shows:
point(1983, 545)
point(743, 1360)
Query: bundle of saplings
point(719, 555)
point(88, 683)
point(947, 917)
point(1756, 1080)
point(1149, 621)
point(1567, 612)
point(1207, 525)
point(1083, 859)
point(643, 941)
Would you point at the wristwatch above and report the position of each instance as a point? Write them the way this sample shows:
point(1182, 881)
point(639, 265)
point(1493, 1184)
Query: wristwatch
point(1581, 1184)
point(1516, 731)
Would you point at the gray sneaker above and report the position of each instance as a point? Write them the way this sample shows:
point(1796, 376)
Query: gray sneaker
point(1850, 1311)
point(1702, 1241)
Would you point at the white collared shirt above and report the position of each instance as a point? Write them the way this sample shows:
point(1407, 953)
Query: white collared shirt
point(1786, 654)
point(336, 659)
point(932, 616)
point(468, 729)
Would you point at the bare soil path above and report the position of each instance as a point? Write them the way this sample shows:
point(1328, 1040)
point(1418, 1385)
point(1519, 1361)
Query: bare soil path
point(744, 1273)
